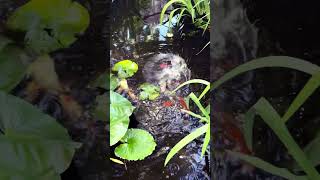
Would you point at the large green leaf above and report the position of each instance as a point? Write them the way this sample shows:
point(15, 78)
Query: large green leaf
point(120, 111)
point(125, 68)
point(137, 145)
point(13, 65)
point(32, 143)
point(49, 24)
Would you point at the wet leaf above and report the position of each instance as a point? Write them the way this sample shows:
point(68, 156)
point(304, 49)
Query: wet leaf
point(46, 28)
point(149, 91)
point(13, 66)
point(120, 111)
point(125, 68)
point(32, 144)
point(138, 144)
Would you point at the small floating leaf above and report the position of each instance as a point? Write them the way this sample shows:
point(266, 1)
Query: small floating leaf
point(138, 144)
point(149, 91)
point(125, 68)
point(120, 110)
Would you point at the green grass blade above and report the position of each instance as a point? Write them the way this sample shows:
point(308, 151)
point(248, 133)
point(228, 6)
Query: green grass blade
point(202, 109)
point(166, 6)
point(204, 92)
point(206, 141)
point(186, 140)
point(192, 81)
point(171, 16)
point(195, 115)
point(303, 95)
point(273, 120)
point(248, 126)
point(259, 163)
point(271, 61)
point(312, 151)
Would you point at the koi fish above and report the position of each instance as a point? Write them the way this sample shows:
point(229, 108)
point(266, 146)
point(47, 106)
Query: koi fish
point(234, 133)
point(181, 102)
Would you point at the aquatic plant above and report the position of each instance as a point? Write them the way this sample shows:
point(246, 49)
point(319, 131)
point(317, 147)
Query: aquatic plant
point(45, 29)
point(198, 10)
point(306, 158)
point(135, 144)
point(33, 144)
point(204, 117)
point(149, 91)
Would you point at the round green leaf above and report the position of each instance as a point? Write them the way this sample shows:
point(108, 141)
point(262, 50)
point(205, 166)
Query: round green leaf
point(49, 24)
point(120, 111)
point(149, 91)
point(125, 68)
point(31, 142)
point(138, 144)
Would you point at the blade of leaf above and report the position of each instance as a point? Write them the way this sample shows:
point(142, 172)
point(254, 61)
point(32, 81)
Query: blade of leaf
point(206, 141)
point(267, 166)
point(186, 140)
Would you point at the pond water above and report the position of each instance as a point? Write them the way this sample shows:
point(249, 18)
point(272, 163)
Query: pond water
point(138, 35)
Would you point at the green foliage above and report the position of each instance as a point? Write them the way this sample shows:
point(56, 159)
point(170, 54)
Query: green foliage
point(149, 91)
point(13, 65)
point(120, 111)
point(32, 144)
point(205, 117)
point(306, 158)
point(198, 10)
point(125, 68)
point(100, 111)
point(49, 24)
point(137, 145)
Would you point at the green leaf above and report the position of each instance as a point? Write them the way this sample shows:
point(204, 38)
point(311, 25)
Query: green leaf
point(259, 163)
point(138, 144)
point(125, 68)
point(100, 111)
point(13, 66)
point(4, 41)
point(32, 143)
point(120, 111)
point(186, 140)
point(46, 29)
point(102, 80)
point(206, 141)
point(149, 91)
point(273, 120)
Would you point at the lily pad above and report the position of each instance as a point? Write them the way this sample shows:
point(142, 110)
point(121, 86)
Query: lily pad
point(138, 144)
point(120, 111)
point(32, 144)
point(149, 91)
point(125, 68)
point(49, 24)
